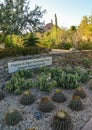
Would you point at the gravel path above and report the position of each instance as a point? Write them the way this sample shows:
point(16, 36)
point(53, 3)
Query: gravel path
point(12, 101)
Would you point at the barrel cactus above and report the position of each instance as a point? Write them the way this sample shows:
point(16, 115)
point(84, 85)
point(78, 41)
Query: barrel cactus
point(62, 121)
point(27, 98)
point(46, 105)
point(12, 117)
point(58, 96)
point(2, 95)
point(76, 103)
point(80, 92)
point(31, 128)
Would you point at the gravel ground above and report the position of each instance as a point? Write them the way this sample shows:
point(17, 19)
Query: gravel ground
point(12, 101)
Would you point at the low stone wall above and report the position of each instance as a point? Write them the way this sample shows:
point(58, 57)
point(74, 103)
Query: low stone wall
point(58, 58)
point(73, 58)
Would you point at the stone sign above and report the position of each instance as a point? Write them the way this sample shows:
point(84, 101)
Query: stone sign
point(29, 64)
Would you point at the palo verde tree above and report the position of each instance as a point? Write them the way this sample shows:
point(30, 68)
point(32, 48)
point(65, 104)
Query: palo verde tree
point(17, 18)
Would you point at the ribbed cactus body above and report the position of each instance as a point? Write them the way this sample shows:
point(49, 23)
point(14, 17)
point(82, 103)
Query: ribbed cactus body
point(62, 121)
point(13, 117)
point(2, 95)
point(58, 96)
point(76, 103)
point(46, 105)
point(80, 92)
point(27, 98)
point(31, 129)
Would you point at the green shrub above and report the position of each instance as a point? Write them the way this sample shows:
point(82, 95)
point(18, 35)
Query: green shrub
point(65, 46)
point(84, 76)
point(8, 42)
point(68, 77)
point(69, 70)
point(45, 83)
point(50, 84)
point(43, 69)
point(69, 81)
point(16, 84)
point(86, 63)
point(57, 74)
point(30, 84)
point(65, 77)
point(25, 73)
point(82, 73)
point(62, 121)
point(85, 46)
point(20, 51)
point(12, 117)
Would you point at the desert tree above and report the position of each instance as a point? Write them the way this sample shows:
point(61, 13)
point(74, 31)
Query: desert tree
point(16, 17)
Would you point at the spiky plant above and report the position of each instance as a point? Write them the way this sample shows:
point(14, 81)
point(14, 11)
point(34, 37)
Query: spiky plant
point(31, 128)
point(2, 95)
point(76, 103)
point(27, 98)
point(62, 121)
point(12, 117)
point(80, 92)
point(58, 96)
point(46, 105)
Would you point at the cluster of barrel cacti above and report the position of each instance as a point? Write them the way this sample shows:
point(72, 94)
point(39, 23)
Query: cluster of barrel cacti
point(76, 101)
point(80, 92)
point(61, 120)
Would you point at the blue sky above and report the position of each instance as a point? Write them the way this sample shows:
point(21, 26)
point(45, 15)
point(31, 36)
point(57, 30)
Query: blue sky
point(69, 12)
